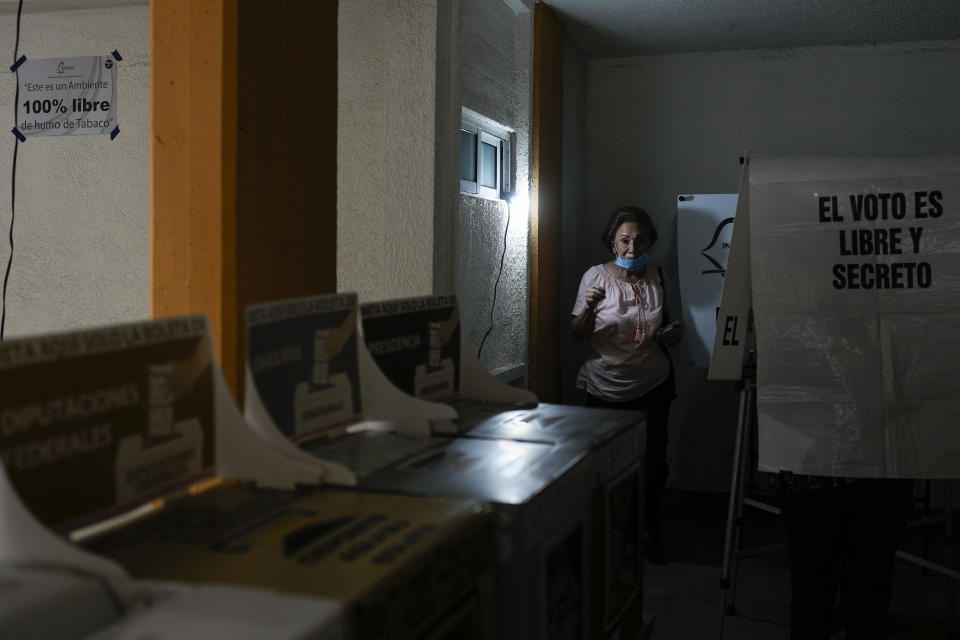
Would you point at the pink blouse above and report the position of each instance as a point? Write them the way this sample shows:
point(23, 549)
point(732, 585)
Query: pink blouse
point(624, 361)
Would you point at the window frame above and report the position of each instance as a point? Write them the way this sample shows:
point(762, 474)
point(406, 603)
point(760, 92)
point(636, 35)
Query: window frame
point(491, 140)
point(502, 139)
point(470, 186)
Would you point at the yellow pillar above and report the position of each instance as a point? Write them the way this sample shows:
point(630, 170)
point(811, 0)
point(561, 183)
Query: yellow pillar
point(243, 159)
point(546, 145)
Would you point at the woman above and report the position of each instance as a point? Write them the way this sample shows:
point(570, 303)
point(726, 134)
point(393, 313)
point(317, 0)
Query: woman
point(621, 313)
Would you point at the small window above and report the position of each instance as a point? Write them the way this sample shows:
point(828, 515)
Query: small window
point(469, 138)
point(468, 157)
point(485, 162)
point(489, 162)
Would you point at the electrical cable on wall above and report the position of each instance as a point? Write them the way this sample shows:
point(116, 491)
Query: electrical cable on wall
point(503, 255)
point(13, 173)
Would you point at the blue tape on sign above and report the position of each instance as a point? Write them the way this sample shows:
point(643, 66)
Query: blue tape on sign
point(19, 135)
point(116, 55)
point(115, 132)
point(16, 65)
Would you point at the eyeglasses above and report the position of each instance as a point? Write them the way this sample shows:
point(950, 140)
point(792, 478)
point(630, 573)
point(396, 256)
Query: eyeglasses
point(636, 241)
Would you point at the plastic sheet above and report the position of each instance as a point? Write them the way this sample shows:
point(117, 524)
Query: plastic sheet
point(855, 268)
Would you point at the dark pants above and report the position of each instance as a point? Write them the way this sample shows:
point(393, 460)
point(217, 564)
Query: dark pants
point(656, 403)
point(845, 538)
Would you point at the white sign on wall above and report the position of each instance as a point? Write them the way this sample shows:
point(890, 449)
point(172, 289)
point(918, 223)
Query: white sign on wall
point(67, 96)
point(704, 232)
point(856, 300)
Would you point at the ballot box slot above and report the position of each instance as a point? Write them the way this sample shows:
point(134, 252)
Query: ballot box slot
point(383, 535)
point(215, 525)
point(295, 541)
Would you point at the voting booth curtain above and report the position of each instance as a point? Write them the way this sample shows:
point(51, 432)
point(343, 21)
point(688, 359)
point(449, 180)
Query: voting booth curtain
point(855, 270)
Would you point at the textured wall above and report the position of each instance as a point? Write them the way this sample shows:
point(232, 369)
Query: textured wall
point(577, 228)
point(447, 149)
point(663, 125)
point(385, 155)
point(82, 226)
point(496, 62)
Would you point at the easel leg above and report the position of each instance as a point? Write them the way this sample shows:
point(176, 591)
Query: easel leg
point(926, 529)
point(948, 515)
point(745, 465)
point(735, 506)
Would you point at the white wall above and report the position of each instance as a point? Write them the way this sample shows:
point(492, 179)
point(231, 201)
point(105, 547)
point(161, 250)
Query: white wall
point(82, 229)
point(664, 125)
point(405, 69)
point(496, 62)
point(385, 147)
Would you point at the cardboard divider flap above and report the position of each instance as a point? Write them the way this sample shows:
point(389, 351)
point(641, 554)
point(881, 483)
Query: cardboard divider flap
point(54, 604)
point(245, 453)
point(302, 364)
point(257, 416)
point(97, 422)
point(308, 374)
point(25, 542)
point(384, 401)
point(477, 382)
point(421, 348)
point(416, 343)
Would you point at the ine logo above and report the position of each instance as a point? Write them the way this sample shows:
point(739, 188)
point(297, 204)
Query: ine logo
point(717, 249)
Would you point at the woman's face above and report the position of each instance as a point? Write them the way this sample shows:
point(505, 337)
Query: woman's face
point(631, 240)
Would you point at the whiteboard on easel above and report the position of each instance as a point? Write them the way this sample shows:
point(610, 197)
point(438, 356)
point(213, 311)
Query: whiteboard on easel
point(704, 232)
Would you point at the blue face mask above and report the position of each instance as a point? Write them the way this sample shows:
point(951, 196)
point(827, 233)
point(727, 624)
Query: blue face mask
point(633, 265)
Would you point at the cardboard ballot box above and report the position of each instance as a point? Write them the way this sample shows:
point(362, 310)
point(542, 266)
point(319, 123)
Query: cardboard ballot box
point(400, 566)
point(616, 440)
point(52, 604)
point(567, 498)
point(543, 498)
point(120, 438)
point(403, 337)
point(67, 604)
point(53, 590)
point(178, 612)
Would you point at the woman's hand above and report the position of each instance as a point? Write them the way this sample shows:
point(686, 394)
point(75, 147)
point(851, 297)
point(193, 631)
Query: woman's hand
point(670, 335)
point(593, 295)
point(583, 324)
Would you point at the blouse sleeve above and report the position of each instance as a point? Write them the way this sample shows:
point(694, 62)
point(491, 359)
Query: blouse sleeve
point(665, 309)
point(581, 302)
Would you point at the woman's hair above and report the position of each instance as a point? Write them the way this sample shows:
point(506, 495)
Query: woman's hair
point(628, 214)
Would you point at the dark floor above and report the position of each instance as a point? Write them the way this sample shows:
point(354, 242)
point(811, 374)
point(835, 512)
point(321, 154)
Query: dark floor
point(684, 596)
